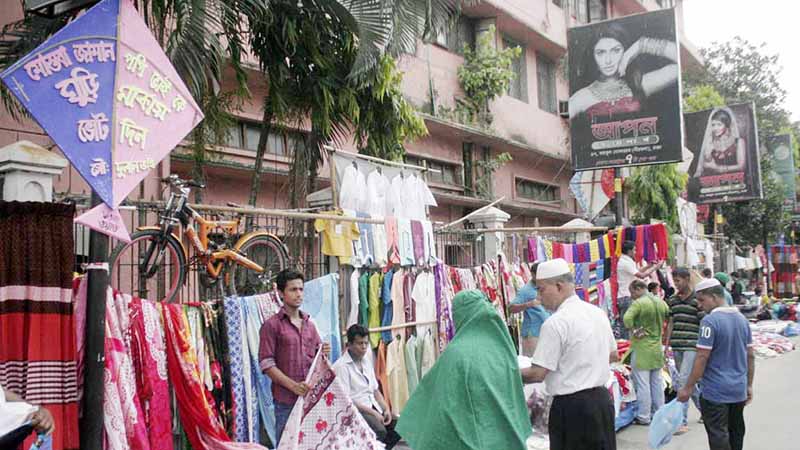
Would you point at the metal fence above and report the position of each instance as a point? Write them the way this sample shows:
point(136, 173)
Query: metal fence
point(304, 249)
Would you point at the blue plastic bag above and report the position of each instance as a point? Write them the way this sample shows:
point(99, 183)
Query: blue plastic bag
point(791, 330)
point(665, 423)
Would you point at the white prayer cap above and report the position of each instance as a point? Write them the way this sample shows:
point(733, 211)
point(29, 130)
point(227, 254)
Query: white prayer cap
point(706, 283)
point(552, 268)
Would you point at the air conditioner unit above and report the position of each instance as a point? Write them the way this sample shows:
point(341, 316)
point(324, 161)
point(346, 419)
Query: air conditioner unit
point(563, 109)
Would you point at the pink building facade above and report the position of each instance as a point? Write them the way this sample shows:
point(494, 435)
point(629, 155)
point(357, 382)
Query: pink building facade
point(526, 122)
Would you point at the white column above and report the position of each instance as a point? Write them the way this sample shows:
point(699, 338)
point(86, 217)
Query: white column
point(492, 218)
point(27, 171)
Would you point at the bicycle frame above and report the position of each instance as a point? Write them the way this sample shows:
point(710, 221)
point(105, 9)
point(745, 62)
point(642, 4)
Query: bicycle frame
point(177, 211)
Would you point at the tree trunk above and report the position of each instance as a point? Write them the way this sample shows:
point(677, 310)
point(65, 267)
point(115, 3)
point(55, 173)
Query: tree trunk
point(255, 180)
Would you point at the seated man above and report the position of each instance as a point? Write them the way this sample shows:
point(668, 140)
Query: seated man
point(356, 373)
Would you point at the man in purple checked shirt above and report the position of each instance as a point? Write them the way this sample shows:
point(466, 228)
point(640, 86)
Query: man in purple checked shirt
point(289, 341)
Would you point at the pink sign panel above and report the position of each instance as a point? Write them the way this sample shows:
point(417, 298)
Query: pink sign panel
point(105, 220)
point(153, 109)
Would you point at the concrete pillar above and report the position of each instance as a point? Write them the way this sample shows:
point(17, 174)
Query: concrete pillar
point(27, 171)
point(492, 218)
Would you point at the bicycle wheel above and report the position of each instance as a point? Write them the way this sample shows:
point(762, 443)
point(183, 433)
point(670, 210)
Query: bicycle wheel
point(266, 251)
point(151, 266)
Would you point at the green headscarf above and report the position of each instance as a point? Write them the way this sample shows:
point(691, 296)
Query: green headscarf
point(723, 278)
point(472, 398)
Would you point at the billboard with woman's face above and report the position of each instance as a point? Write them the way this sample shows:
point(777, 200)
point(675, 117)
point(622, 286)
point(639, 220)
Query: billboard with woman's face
point(624, 83)
point(725, 166)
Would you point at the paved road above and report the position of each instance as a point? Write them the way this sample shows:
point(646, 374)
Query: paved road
point(771, 419)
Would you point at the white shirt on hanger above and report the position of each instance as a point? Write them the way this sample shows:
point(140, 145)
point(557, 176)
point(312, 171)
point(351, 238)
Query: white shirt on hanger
point(425, 301)
point(377, 185)
point(394, 198)
point(353, 191)
point(352, 316)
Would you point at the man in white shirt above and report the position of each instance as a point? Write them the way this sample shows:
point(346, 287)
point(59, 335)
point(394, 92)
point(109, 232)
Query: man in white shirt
point(356, 374)
point(626, 273)
point(572, 357)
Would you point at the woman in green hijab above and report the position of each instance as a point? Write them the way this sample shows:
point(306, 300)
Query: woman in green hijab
point(472, 398)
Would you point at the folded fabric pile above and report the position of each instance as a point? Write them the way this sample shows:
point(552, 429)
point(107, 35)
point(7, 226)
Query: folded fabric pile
point(769, 345)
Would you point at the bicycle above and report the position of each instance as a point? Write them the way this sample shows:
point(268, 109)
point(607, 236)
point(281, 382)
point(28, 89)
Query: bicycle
point(244, 264)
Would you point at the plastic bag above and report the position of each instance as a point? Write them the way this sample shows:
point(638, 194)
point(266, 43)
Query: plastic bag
point(665, 423)
point(791, 330)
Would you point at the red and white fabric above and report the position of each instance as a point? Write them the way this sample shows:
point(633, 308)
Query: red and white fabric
point(326, 418)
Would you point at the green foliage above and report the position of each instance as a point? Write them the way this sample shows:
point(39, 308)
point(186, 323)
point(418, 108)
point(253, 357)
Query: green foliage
point(486, 73)
point(654, 192)
point(386, 120)
point(748, 223)
point(701, 98)
point(742, 72)
point(486, 169)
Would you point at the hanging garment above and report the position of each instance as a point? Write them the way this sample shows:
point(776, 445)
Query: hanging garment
point(409, 307)
point(236, 361)
point(424, 295)
point(425, 354)
point(352, 315)
point(410, 358)
point(381, 374)
point(396, 374)
point(321, 302)
point(392, 240)
point(406, 242)
point(444, 296)
point(253, 321)
point(377, 185)
point(150, 363)
point(37, 334)
point(387, 305)
point(326, 418)
point(594, 250)
point(367, 239)
point(379, 243)
point(197, 417)
point(363, 299)
point(430, 242)
point(375, 285)
point(475, 381)
point(125, 425)
point(337, 237)
point(395, 204)
point(353, 190)
point(418, 242)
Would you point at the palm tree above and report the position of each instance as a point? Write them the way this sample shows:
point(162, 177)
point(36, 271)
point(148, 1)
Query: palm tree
point(319, 56)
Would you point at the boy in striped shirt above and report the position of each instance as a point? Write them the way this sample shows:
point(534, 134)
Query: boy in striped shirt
point(682, 333)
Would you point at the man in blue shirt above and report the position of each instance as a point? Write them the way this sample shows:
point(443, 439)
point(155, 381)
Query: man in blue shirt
point(726, 363)
point(534, 313)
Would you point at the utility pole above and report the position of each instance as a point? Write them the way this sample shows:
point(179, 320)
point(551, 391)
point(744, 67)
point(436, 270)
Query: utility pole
point(91, 422)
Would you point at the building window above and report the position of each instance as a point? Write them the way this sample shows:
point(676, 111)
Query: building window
point(467, 152)
point(446, 173)
point(666, 3)
point(540, 192)
point(245, 135)
point(546, 83)
point(518, 88)
point(586, 11)
point(461, 33)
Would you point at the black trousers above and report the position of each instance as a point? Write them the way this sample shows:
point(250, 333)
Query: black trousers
point(583, 421)
point(385, 433)
point(724, 424)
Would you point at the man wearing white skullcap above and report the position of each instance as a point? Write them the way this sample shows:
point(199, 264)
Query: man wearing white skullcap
point(726, 364)
point(572, 357)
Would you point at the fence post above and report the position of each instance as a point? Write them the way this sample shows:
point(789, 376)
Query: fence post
point(491, 218)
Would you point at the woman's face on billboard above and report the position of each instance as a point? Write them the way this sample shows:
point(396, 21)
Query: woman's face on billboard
point(607, 54)
point(718, 128)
